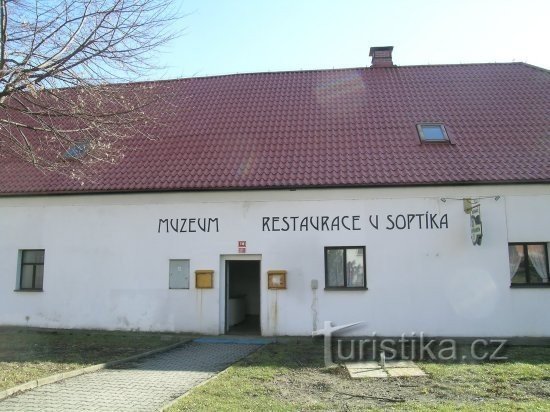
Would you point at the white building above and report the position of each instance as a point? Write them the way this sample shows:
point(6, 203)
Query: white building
point(415, 199)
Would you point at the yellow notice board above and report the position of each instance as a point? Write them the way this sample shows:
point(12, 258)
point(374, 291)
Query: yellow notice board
point(276, 279)
point(204, 279)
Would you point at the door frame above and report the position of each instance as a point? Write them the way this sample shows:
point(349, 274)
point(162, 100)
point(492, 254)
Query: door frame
point(224, 290)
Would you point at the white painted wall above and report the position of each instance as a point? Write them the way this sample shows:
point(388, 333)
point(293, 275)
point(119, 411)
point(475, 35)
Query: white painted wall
point(106, 265)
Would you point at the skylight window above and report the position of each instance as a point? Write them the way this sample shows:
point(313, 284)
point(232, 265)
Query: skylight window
point(431, 132)
point(77, 151)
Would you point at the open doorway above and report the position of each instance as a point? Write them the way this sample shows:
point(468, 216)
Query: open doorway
point(242, 309)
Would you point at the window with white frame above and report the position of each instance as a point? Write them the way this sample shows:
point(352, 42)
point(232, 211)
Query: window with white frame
point(31, 270)
point(345, 267)
point(528, 263)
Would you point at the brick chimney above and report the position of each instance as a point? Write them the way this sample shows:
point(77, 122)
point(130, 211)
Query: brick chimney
point(381, 56)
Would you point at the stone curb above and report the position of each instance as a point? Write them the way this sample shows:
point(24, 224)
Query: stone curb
point(94, 368)
point(176, 400)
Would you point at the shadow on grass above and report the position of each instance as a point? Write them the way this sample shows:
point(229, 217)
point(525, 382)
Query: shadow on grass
point(28, 354)
point(25, 345)
point(85, 347)
point(292, 376)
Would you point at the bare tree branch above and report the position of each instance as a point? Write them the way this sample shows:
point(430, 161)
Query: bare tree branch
point(64, 102)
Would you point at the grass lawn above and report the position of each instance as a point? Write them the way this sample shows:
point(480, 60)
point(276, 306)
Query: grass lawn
point(27, 354)
point(291, 377)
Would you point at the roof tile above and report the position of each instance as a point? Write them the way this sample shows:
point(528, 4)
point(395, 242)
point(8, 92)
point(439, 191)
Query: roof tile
point(349, 127)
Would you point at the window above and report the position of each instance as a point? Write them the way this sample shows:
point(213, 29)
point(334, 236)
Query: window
point(77, 151)
point(345, 267)
point(528, 263)
point(31, 273)
point(431, 132)
point(179, 274)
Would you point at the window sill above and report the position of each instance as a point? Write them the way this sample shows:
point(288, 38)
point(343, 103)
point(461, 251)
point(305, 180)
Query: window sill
point(345, 288)
point(530, 286)
point(28, 290)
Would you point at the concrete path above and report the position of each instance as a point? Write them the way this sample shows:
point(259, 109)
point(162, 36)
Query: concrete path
point(145, 385)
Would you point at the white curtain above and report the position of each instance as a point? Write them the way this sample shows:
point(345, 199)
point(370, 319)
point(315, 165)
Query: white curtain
point(515, 258)
point(538, 259)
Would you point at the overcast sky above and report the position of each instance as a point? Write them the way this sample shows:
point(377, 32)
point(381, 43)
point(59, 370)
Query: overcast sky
point(239, 36)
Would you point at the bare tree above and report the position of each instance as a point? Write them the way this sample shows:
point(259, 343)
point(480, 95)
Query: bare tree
point(63, 104)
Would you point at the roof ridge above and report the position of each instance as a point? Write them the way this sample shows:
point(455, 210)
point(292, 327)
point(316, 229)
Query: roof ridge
point(341, 69)
point(460, 64)
point(532, 66)
point(178, 79)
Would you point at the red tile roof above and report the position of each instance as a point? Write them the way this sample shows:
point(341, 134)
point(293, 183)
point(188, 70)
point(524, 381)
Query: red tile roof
point(349, 127)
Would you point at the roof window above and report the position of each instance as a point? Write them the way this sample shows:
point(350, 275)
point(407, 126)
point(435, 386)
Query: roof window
point(432, 132)
point(77, 151)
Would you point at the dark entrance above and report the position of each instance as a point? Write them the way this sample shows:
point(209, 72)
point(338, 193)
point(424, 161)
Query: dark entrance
point(242, 306)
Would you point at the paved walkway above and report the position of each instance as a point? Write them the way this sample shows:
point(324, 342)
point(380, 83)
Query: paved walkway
point(145, 385)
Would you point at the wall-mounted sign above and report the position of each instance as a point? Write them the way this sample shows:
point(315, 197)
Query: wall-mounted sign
point(242, 246)
point(204, 279)
point(400, 221)
point(276, 279)
point(188, 225)
point(424, 220)
point(475, 224)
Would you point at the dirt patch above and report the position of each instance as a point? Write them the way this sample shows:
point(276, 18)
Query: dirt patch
point(308, 383)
